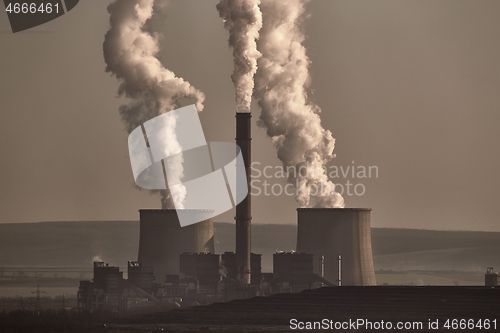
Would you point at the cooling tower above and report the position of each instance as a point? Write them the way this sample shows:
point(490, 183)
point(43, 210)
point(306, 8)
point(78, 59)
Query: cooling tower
point(162, 239)
point(334, 232)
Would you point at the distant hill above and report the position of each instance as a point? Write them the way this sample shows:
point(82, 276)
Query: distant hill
point(435, 250)
point(77, 244)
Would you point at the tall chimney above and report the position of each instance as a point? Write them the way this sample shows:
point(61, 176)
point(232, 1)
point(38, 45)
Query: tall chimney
point(243, 209)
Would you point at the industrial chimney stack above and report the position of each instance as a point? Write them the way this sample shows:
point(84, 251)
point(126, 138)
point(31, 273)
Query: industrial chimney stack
point(243, 209)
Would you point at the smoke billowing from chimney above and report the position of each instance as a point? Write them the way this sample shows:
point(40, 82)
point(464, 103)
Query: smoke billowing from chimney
point(291, 120)
point(243, 20)
point(97, 258)
point(130, 54)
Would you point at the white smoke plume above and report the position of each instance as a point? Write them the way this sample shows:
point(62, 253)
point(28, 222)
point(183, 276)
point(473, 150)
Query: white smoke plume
point(291, 119)
point(97, 258)
point(243, 20)
point(130, 50)
point(223, 270)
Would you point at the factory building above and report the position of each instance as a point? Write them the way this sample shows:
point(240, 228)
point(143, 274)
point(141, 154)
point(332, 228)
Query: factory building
point(203, 279)
point(177, 265)
point(334, 232)
point(292, 271)
point(141, 276)
point(162, 240)
point(491, 278)
point(110, 291)
point(104, 291)
point(173, 287)
point(204, 268)
point(229, 265)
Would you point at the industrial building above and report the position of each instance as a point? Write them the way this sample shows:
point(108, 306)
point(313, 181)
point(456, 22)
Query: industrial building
point(334, 232)
point(229, 264)
point(292, 272)
point(104, 292)
point(177, 265)
point(203, 279)
point(141, 276)
point(162, 239)
point(491, 278)
point(204, 268)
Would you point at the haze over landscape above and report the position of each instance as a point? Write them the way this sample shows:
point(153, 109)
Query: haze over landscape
point(57, 255)
point(78, 244)
point(408, 87)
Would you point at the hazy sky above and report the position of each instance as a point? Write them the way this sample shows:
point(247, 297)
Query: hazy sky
point(410, 87)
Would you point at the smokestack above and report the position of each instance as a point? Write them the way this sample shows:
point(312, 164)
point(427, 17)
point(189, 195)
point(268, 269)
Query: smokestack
point(243, 20)
point(343, 236)
point(243, 209)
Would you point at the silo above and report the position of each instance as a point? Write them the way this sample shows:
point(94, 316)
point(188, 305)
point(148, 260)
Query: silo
point(162, 239)
point(334, 232)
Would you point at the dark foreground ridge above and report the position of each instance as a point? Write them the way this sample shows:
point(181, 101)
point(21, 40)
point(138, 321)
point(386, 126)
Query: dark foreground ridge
point(408, 304)
point(274, 313)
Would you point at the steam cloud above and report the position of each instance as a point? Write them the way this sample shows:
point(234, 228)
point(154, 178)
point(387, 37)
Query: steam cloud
point(130, 50)
point(97, 258)
point(281, 83)
point(291, 120)
point(243, 19)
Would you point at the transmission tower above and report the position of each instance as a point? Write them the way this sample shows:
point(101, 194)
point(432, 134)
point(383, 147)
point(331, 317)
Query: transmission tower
point(38, 292)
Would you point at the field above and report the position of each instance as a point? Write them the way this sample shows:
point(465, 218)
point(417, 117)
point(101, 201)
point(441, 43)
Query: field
point(429, 278)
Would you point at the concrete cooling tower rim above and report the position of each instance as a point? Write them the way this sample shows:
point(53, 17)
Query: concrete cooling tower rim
point(175, 210)
point(336, 209)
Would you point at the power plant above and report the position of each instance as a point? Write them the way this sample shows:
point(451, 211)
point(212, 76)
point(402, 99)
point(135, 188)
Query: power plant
point(333, 244)
point(178, 264)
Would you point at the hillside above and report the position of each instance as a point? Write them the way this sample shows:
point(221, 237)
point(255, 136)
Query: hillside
point(77, 244)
